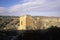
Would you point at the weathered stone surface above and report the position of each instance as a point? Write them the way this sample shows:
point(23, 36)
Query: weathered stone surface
point(28, 22)
point(38, 22)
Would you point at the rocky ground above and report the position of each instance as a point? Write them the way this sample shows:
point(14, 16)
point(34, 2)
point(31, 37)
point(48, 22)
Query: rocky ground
point(49, 34)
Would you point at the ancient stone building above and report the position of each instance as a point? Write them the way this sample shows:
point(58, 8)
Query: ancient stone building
point(28, 22)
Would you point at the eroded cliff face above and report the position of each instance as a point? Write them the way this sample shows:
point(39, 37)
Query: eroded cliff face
point(28, 22)
point(47, 22)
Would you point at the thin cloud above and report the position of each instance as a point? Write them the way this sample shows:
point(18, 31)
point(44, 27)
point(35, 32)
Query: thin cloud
point(37, 6)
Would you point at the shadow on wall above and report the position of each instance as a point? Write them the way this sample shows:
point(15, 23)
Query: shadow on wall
point(52, 33)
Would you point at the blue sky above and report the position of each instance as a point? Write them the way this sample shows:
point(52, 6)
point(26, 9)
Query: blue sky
point(32, 7)
point(7, 3)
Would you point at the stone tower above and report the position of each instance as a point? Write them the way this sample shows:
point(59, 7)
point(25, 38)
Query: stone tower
point(25, 22)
